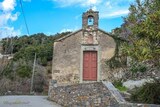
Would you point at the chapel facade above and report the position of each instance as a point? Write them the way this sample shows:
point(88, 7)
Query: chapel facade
point(81, 56)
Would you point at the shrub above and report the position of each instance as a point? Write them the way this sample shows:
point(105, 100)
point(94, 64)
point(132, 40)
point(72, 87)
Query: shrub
point(39, 82)
point(148, 93)
point(138, 67)
point(118, 84)
point(24, 71)
point(43, 61)
point(8, 71)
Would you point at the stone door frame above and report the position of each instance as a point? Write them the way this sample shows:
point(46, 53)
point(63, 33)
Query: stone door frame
point(90, 48)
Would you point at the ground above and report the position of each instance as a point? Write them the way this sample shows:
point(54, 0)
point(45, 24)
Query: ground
point(26, 101)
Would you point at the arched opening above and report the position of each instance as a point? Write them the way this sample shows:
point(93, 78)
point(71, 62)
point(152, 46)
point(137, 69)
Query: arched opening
point(90, 20)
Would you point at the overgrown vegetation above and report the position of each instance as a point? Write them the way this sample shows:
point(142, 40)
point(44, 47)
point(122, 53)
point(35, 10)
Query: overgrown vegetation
point(137, 67)
point(25, 47)
point(24, 71)
point(148, 93)
point(8, 71)
point(141, 30)
point(118, 60)
point(19, 68)
point(119, 85)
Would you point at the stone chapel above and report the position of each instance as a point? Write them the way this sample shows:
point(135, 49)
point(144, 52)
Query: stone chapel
point(81, 56)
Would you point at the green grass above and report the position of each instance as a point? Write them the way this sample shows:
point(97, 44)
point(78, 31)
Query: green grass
point(121, 88)
point(118, 84)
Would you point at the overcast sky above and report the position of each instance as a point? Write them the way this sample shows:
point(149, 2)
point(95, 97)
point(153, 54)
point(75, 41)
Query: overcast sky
point(52, 16)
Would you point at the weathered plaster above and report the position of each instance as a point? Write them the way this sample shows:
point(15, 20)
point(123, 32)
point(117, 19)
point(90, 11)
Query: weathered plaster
point(68, 57)
point(67, 67)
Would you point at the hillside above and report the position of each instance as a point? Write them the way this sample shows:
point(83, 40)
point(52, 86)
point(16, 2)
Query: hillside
point(17, 55)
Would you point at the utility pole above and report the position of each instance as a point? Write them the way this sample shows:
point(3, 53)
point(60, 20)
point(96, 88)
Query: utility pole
point(11, 51)
point(32, 79)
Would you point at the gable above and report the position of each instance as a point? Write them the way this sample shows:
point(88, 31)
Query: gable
point(66, 36)
point(71, 34)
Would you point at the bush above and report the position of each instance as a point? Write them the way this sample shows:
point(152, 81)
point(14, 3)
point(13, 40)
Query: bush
point(118, 84)
point(44, 61)
point(39, 82)
point(8, 71)
point(24, 71)
point(148, 93)
point(138, 67)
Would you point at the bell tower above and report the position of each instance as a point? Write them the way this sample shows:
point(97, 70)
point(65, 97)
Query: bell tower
point(90, 18)
point(90, 27)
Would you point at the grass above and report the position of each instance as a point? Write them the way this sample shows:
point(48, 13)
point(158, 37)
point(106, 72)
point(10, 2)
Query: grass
point(118, 84)
point(121, 88)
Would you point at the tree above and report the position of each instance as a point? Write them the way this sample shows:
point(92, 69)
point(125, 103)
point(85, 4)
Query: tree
point(142, 29)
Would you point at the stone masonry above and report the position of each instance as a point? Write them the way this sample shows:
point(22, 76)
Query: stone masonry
point(67, 66)
point(83, 95)
point(96, 94)
point(67, 56)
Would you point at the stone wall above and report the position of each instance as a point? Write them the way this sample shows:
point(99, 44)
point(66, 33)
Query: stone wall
point(66, 59)
point(82, 95)
point(97, 94)
point(107, 50)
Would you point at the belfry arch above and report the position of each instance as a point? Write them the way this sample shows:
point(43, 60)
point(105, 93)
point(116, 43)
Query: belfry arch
point(90, 16)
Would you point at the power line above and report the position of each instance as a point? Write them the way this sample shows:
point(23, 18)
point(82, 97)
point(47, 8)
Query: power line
point(24, 17)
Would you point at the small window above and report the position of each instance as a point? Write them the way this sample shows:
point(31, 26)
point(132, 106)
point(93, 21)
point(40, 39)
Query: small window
point(90, 20)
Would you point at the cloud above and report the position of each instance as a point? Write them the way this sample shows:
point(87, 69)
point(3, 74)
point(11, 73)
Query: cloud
point(118, 13)
point(7, 15)
point(8, 32)
point(69, 29)
point(106, 8)
point(94, 8)
point(6, 8)
point(27, 0)
point(14, 17)
point(108, 4)
point(8, 5)
point(64, 3)
point(114, 8)
point(91, 2)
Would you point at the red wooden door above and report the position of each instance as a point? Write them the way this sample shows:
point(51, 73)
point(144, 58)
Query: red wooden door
point(90, 65)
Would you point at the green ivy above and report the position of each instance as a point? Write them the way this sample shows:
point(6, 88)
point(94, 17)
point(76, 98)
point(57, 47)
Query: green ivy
point(119, 59)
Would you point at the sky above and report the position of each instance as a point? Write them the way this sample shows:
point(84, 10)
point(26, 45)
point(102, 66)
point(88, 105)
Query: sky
point(56, 16)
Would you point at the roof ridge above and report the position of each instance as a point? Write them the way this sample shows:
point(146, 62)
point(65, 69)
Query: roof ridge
point(68, 35)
